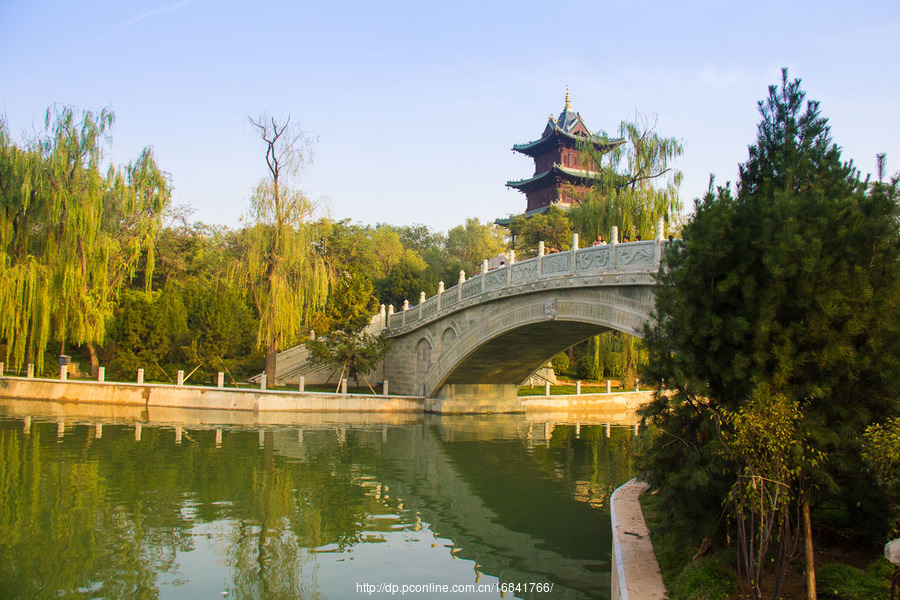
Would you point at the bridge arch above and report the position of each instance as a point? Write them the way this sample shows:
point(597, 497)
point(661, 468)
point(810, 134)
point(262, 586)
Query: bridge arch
point(519, 337)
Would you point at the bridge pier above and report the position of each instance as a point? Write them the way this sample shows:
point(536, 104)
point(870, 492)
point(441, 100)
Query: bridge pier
point(483, 398)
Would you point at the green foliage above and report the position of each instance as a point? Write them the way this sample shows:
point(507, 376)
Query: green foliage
point(708, 579)
point(835, 580)
point(472, 243)
point(551, 227)
point(587, 369)
point(793, 283)
point(560, 364)
point(765, 444)
point(353, 353)
point(408, 278)
point(881, 452)
point(352, 303)
point(149, 328)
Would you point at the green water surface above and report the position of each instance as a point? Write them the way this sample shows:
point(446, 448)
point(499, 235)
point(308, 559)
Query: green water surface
point(193, 505)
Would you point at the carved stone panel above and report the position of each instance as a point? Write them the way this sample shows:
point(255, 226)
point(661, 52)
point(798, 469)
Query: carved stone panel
point(524, 271)
point(634, 257)
point(495, 279)
point(597, 258)
point(559, 262)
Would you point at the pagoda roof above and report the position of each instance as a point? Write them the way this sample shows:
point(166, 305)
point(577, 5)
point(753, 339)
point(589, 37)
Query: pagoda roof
point(569, 127)
point(505, 221)
point(557, 170)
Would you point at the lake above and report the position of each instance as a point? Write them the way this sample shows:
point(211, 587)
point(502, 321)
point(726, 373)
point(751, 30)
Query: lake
point(115, 502)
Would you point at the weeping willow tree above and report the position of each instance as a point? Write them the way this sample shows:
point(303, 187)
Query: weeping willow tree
point(638, 187)
point(70, 236)
point(283, 272)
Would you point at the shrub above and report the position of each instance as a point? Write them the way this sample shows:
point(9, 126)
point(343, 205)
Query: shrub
point(560, 364)
point(586, 368)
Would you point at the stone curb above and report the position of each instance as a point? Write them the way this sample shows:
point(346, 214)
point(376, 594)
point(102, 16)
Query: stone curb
point(635, 571)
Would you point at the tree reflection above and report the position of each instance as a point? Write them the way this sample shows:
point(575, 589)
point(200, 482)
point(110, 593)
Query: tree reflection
point(106, 517)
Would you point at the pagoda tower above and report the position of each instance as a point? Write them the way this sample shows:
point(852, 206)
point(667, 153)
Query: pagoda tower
point(561, 173)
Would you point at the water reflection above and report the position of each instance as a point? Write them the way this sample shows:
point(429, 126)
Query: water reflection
point(119, 502)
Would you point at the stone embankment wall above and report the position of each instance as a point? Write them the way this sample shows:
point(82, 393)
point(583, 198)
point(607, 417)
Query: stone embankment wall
point(184, 396)
point(635, 571)
point(623, 404)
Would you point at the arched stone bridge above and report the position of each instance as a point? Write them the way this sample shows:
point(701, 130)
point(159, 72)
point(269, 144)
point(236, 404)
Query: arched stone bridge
point(469, 347)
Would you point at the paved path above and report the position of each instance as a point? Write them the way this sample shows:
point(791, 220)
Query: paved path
point(636, 574)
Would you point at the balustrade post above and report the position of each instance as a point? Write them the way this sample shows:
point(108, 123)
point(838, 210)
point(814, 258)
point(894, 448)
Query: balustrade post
point(384, 388)
point(63, 373)
point(614, 240)
point(540, 258)
point(511, 259)
point(301, 387)
point(421, 305)
point(608, 386)
point(484, 270)
point(140, 376)
point(1, 369)
point(439, 294)
point(29, 371)
point(220, 379)
point(101, 374)
point(577, 388)
point(390, 313)
point(405, 309)
point(344, 386)
point(382, 316)
point(262, 381)
point(179, 377)
point(574, 251)
point(459, 286)
point(547, 388)
point(660, 237)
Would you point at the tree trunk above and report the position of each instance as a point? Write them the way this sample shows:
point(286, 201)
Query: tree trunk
point(271, 357)
point(95, 360)
point(808, 551)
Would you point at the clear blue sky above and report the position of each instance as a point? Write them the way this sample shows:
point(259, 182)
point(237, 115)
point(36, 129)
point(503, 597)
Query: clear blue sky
point(416, 104)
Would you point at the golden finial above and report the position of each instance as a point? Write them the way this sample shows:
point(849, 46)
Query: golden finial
point(567, 97)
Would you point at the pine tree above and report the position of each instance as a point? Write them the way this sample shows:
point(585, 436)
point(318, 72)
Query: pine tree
point(792, 283)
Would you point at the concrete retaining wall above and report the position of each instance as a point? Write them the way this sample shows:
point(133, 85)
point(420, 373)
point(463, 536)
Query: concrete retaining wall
point(635, 571)
point(568, 402)
point(159, 395)
point(209, 398)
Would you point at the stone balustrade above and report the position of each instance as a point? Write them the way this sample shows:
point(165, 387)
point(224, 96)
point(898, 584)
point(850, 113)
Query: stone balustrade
point(621, 263)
